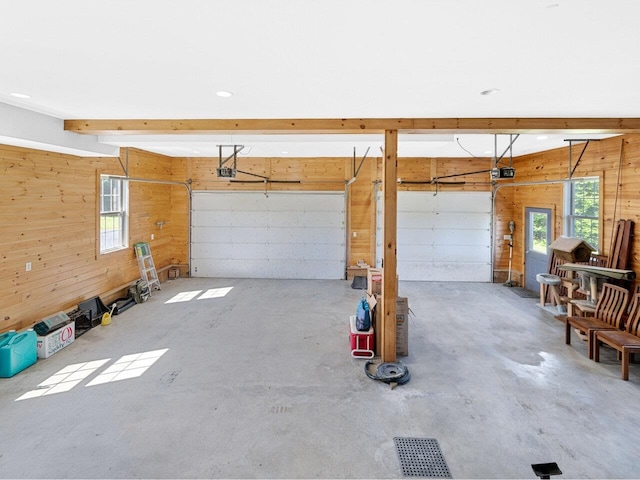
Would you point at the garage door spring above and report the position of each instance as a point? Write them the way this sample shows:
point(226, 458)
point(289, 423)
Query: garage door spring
point(389, 372)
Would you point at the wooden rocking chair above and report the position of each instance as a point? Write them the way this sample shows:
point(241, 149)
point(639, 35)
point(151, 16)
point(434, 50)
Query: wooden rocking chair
point(627, 343)
point(610, 308)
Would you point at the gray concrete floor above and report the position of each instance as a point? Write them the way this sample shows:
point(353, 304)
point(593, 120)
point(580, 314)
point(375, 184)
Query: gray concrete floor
point(260, 384)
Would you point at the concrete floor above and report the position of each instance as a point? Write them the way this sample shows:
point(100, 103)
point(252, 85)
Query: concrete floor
point(260, 384)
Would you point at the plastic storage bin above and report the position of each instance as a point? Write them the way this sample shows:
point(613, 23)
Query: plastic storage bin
point(17, 353)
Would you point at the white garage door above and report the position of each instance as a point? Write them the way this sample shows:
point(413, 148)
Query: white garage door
point(443, 237)
point(285, 235)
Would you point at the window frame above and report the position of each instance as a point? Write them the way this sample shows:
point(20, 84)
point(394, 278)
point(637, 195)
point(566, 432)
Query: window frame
point(571, 217)
point(119, 211)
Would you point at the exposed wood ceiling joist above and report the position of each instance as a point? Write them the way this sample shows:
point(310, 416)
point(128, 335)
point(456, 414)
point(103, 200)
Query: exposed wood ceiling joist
point(354, 125)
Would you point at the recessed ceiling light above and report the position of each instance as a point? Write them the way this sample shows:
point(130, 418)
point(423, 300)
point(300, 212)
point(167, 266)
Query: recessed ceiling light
point(491, 91)
point(285, 151)
point(196, 151)
point(542, 137)
point(20, 95)
point(224, 94)
point(488, 152)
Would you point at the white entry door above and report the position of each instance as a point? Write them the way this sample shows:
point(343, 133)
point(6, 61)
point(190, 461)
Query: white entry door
point(444, 237)
point(299, 235)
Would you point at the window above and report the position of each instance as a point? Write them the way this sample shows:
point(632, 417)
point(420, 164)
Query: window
point(113, 213)
point(583, 216)
point(539, 232)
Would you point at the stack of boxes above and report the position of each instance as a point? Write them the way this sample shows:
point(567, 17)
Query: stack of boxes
point(374, 289)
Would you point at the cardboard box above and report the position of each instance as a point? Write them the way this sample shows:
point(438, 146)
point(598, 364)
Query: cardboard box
point(56, 340)
point(356, 271)
point(374, 281)
point(402, 326)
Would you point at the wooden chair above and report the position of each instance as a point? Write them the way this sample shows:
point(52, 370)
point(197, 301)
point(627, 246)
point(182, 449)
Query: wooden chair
point(619, 257)
point(610, 308)
point(627, 343)
point(570, 293)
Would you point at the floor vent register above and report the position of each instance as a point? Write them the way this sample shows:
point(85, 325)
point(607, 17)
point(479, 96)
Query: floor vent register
point(421, 457)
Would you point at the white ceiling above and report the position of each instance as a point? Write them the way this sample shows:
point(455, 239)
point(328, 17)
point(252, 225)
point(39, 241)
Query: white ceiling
point(119, 59)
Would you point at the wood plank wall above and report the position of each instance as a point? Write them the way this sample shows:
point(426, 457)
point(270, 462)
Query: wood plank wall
point(314, 174)
point(49, 212)
point(330, 174)
point(362, 212)
point(609, 159)
point(457, 173)
point(180, 216)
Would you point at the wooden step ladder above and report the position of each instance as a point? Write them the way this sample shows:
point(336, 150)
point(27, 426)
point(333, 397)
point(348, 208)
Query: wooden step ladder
point(148, 271)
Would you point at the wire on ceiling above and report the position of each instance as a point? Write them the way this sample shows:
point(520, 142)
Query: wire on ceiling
point(460, 145)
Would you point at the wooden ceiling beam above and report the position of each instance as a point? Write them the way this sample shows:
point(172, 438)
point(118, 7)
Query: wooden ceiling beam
point(354, 125)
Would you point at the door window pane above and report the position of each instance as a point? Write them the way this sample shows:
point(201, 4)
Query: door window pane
point(539, 227)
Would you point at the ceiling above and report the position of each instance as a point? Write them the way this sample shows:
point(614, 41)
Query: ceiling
point(166, 59)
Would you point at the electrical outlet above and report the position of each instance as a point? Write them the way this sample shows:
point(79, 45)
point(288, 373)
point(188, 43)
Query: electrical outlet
point(507, 237)
point(152, 236)
point(27, 267)
point(355, 234)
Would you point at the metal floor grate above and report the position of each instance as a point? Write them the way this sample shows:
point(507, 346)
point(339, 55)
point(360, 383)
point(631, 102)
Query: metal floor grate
point(421, 457)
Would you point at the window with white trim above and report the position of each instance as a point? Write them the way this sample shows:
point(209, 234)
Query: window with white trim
point(114, 217)
point(583, 210)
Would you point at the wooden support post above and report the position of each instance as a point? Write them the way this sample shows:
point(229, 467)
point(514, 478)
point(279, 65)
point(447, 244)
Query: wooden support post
point(389, 285)
point(434, 168)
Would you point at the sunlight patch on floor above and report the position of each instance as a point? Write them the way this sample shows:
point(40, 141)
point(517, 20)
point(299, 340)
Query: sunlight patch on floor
point(215, 293)
point(128, 366)
point(188, 296)
point(184, 297)
point(65, 379)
